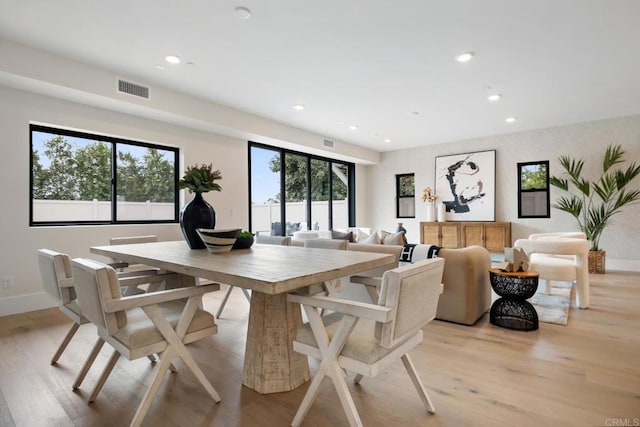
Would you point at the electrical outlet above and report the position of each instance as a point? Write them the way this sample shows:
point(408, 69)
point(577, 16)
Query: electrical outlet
point(8, 282)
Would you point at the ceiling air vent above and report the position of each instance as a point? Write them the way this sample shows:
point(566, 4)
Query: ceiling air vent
point(133, 89)
point(329, 143)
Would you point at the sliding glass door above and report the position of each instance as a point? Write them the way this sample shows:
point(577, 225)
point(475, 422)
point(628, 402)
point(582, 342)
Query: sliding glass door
point(318, 192)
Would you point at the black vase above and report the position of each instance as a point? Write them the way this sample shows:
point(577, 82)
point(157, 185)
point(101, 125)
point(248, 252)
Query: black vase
point(196, 214)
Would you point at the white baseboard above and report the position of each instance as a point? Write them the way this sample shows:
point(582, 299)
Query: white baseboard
point(25, 303)
point(622, 265)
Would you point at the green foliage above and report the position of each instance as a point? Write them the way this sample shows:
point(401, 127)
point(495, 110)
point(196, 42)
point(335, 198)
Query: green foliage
point(534, 177)
point(84, 173)
point(245, 233)
point(296, 179)
point(593, 203)
point(200, 179)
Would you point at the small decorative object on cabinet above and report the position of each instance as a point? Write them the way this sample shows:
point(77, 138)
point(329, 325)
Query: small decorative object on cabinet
point(198, 213)
point(401, 228)
point(429, 198)
point(442, 213)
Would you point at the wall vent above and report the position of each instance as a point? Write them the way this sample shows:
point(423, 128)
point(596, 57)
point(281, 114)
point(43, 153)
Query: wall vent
point(329, 143)
point(133, 89)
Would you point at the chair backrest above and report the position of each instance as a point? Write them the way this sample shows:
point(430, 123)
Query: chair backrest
point(133, 239)
point(95, 283)
point(554, 246)
point(55, 267)
point(383, 249)
point(326, 244)
point(273, 240)
point(412, 292)
point(561, 234)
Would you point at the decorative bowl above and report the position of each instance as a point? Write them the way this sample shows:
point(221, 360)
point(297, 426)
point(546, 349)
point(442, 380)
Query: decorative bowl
point(218, 241)
point(243, 242)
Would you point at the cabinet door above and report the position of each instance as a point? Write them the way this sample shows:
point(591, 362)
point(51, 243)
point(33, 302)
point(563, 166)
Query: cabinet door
point(449, 235)
point(473, 234)
point(496, 237)
point(430, 233)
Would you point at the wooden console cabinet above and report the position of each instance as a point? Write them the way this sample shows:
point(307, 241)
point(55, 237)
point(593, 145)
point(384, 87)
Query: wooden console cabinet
point(494, 236)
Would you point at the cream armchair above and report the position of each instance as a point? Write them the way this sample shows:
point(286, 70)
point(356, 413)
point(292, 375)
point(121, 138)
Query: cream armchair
point(559, 258)
point(365, 338)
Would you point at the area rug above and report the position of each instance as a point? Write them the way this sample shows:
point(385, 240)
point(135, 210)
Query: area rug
point(554, 308)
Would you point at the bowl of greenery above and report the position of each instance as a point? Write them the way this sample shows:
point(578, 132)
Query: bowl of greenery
point(244, 241)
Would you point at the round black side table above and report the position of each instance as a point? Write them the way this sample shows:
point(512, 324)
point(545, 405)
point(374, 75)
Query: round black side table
point(512, 310)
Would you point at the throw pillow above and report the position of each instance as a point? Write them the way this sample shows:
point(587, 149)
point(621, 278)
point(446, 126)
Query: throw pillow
point(342, 236)
point(393, 238)
point(407, 252)
point(374, 239)
point(360, 235)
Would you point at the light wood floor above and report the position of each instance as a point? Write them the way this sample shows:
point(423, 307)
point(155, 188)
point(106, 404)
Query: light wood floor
point(584, 374)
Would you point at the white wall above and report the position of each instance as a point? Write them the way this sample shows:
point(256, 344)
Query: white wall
point(621, 239)
point(19, 242)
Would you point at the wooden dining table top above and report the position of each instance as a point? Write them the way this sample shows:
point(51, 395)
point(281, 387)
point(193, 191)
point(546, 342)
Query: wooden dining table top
point(270, 269)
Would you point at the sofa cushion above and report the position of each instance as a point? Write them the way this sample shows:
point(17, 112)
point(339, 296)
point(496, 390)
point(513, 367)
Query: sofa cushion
point(393, 238)
point(373, 239)
point(338, 235)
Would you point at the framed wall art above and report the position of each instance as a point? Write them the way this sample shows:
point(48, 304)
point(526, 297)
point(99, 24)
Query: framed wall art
point(466, 185)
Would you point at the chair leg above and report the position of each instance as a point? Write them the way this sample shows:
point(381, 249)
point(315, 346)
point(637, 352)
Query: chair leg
point(87, 364)
point(224, 301)
point(65, 342)
point(309, 397)
point(165, 360)
point(411, 370)
point(105, 374)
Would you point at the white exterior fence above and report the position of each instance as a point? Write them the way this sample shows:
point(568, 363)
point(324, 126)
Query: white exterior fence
point(263, 215)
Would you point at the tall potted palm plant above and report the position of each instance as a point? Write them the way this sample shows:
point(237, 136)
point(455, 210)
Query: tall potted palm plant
point(593, 203)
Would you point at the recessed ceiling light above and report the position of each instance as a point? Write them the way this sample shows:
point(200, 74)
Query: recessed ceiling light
point(494, 97)
point(387, 140)
point(464, 57)
point(159, 67)
point(298, 107)
point(353, 127)
point(172, 59)
point(242, 12)
point(510, 119)
point(341, 122)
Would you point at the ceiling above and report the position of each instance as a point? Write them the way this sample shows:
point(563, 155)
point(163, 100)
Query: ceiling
point(387, 67)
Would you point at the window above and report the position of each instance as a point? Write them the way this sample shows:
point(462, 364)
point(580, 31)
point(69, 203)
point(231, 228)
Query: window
point(318, 192)
point(405, 196)
point(82, 178)
point(533, 190)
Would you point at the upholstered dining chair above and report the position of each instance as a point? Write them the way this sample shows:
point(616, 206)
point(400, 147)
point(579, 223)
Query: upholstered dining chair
point(372, 279)
point(140, 325)
point(560, 259)
point(273, 240)
point(262, 239)
point(124, 268)
point(57, 281)
point(365, 338)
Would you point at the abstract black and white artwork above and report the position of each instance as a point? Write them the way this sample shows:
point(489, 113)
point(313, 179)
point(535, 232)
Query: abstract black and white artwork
point(466, 184)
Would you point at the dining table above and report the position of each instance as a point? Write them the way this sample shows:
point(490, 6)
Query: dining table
point(270, 272)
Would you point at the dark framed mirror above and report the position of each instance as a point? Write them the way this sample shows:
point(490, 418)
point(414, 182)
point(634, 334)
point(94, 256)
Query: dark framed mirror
point(533, 190)
point(406, 195)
